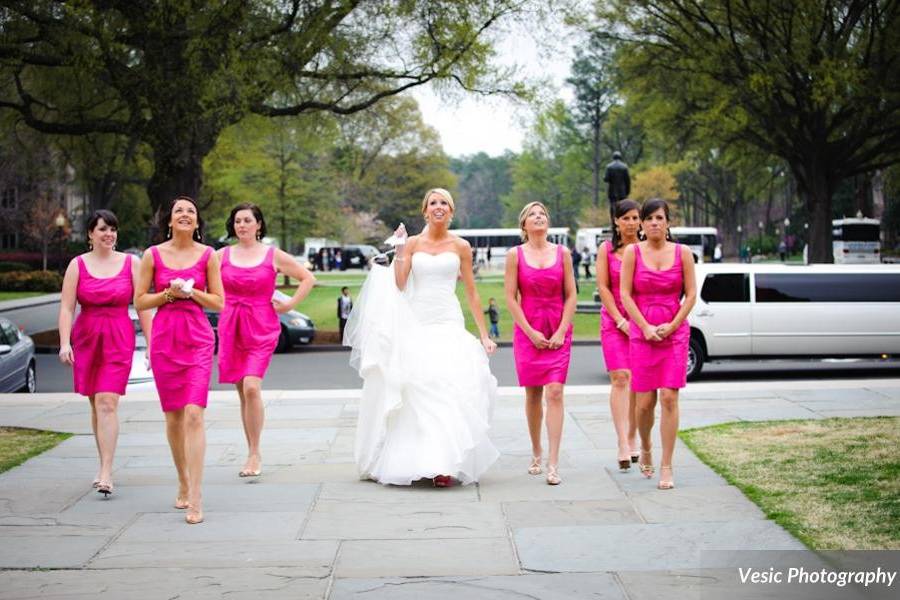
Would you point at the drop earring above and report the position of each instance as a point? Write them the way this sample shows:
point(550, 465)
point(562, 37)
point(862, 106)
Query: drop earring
point(169, 233)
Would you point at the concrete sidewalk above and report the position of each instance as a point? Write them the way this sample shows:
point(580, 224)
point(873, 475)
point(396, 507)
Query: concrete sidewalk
point(309, 529)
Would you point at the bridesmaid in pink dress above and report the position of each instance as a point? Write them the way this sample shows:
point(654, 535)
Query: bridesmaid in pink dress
point(181, 351)
point(100, 345)
point(614, 329)
point(541, 297)
point(655, 275)
point(249, 327)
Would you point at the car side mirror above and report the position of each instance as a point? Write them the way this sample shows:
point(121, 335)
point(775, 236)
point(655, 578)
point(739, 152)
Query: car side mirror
point(5, 349)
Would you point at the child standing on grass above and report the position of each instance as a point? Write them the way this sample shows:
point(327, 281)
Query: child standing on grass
point(493, 314)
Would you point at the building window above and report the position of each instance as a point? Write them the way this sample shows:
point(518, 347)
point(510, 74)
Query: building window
point(8, 198)
point(9, 241)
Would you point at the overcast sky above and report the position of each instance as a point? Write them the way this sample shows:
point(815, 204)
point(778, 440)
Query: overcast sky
point(472, 124)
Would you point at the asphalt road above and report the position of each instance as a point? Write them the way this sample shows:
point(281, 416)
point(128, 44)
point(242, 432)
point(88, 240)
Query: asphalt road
point(35, 318)
point(308, 368)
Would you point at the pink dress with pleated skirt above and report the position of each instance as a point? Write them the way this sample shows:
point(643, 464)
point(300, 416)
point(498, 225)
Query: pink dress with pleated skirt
point(103, 335)
point(249, 326)
point(542, 297)
point(613, 341)
point(181, 350)
point(658, 295)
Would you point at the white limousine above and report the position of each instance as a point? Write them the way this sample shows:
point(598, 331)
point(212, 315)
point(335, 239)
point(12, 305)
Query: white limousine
point(775, 310)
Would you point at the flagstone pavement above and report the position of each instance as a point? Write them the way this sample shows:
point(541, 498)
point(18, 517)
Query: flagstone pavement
point(308, 528)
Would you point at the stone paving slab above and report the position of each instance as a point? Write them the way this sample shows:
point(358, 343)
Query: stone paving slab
point(331, 520)
point(310, 558)
point(599, 586)
point(696, 504)
point(243, 583)
point(42, 547)
point(558, 513)
point(664, 545)
point(226, 527)
point(281, 497)
point(424, 558)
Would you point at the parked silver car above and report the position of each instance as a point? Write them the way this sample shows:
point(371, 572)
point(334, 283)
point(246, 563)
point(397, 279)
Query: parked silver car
point(17, 370)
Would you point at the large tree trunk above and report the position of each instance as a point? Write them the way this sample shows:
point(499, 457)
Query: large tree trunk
point(595, 166)
point(172, 178)
point(816, 192)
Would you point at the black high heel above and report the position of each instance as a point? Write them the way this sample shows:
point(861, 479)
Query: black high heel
point(105, 488)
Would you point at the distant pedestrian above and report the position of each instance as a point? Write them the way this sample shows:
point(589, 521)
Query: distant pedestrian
point(344, 306)
point(717, 253)
point(586, 261)
point(576, 261)
point(782, 250)
point(339, 261)
point(493, 314)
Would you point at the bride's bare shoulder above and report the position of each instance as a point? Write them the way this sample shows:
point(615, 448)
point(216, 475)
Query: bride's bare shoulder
point(459, 244)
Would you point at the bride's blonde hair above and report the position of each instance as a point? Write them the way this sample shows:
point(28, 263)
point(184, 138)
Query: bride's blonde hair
point(523, 214)
point(443, 193)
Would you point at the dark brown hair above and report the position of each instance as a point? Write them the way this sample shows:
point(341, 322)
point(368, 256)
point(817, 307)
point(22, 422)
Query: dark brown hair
point(165, 215)
point(622, 207)
point(257, 214)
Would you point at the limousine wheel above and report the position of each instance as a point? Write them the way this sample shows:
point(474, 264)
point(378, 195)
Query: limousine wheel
point(695, 358)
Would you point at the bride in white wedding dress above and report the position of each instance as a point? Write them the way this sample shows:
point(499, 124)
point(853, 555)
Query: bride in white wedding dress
point(428, 392)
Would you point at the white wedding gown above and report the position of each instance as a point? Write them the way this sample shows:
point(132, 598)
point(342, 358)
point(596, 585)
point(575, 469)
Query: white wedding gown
point(428, 392)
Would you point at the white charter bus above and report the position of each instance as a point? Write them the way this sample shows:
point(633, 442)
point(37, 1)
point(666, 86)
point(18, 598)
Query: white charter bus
point(701, 240)
point(856, 240)
point(497, 241)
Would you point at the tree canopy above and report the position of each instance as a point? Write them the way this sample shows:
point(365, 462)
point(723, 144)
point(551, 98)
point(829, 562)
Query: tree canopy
point(174, 74)
point(813, 82)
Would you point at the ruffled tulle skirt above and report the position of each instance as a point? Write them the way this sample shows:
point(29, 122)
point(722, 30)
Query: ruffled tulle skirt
point(428, 392)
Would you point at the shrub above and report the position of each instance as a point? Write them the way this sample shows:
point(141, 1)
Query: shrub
point(6, 267)
point(31, 281)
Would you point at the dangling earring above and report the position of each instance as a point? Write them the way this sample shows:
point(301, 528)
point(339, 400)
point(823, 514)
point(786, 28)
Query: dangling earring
point(169, 233)
point(90, 245)
point(258, 236)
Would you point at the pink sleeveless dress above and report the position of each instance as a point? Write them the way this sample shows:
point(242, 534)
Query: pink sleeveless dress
point(181, 350)
point(249, 326)
point(658, 294)
point(103, 335)
point(542, 295)
point(612, 340)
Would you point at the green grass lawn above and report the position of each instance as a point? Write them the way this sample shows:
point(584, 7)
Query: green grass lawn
point(321, 304)
point(18, 445)
point(833, 483)
point(17, 295)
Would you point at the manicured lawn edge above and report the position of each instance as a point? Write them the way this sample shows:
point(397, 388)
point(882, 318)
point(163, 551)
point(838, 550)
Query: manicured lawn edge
point(42, 441)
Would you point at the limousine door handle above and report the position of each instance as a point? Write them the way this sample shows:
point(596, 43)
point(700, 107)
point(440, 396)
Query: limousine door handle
point(705, 313)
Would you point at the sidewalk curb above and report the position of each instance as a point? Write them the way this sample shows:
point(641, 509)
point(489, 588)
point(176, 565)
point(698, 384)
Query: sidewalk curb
point(10, 305)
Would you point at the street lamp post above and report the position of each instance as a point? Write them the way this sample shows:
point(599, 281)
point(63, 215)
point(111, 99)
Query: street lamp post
point(761, 227)
point(60, 223)
point(740, 244)
point(787, 223)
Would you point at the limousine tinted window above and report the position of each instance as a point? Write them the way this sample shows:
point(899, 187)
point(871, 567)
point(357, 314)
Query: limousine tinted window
point(828, 287)
point(726, 287)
